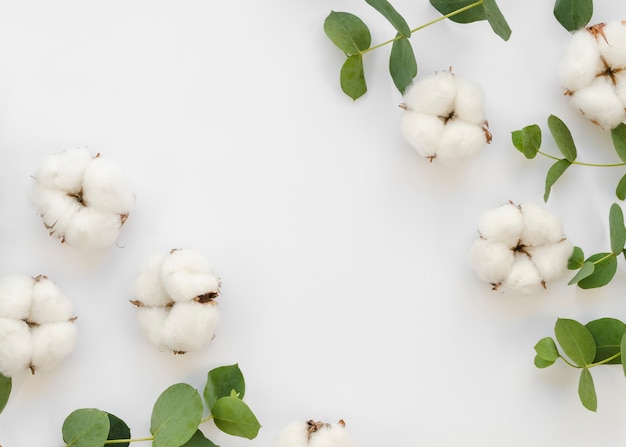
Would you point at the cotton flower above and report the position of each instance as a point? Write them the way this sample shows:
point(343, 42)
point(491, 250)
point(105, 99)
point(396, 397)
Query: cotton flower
point(36, 324)
point(593, 72)
point(444, 118)
point(82, 199)
point(175, 294)
point(314, 434)
point(520, 249)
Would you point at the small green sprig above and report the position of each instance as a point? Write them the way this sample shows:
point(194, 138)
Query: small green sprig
point(352, 36)
point(6, 383)
point(573, 14)
point(176, 416)
point(599, 342)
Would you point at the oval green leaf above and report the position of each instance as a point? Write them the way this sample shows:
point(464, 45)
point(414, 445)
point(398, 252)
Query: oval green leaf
point(605, 267)
point(576, 260)
point(555, 171)
point(85, 427)
point(620, 190)
point(587, 391)
point(6, 384)
point(562, 138)
point(573, 14)
point(585, 271)
point(233, 416)
point(623, 350)
point(446, 7)
point(390, 13)
point(542, 363)
point(352, 77)
point(118, 429)
point(199, 440)
point(176, 415)
point(348, 32)
point(546, 349)
point(402, 64)
point(576, 341)
point(527, 140)
point(618, 135)
point(221, 381)
point(496, 19)
point(608, 333)
point(616, 229)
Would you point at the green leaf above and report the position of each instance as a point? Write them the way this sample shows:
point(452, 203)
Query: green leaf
point(390, 13)
point(586, 270)
point(86, 427)
point(496, 19)
point(118, 429)
point(576, 341)
point(176, 415)
point(352, 77)
point(576, 260)
point(623, 350)
point(546, 349)
point(221, 382)
point(562, 138)
point(449, 6)
point(199, 440)
point(348, 32)
point(402, 64)
point(6, 384)
point(587, 391)
point(233, 416)
point(603, 273)
point(555, 171)
point(527, 140)
point(620, 190)
point(608, 333)
point(573, 14)
point(542, 363)
point(617, 229)
point(618, 134)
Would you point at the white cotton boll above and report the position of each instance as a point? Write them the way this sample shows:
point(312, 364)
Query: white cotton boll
point(64, 170)
point(49, 305)
point(293, 435)
point(460, 140)
point(492, 261)
point(434, 94)
point(599, 103)
point(422, 132)
point(469, 102)
point(540, 226)
point(190, 326)
point(152, 320)
point(620, 86)
point(15, 296)
point(51, 343)
point(581, 61)
point(107, 188)
point(186, 274)
point(524, 277)
point(56, 208)
point(15, 346)
point(92, 229)
point(613, 49)
point(503, 224)
point(333, 435)
point(148, 288)
point(551, 259)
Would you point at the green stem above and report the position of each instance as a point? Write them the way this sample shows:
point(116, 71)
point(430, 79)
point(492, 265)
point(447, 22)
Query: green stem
point(603, 258)
point(580, 163)
point(591, 365)
point(208, 418)
point(123, 441)
point(425, 25)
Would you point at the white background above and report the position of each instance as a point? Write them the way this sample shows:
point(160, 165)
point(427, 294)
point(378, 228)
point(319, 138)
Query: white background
point(343, 255)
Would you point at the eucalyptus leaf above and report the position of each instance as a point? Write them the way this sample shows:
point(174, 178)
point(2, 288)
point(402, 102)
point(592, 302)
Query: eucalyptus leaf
point(620, 190)
point(562, 137)
point(496, 19)
point(576, 341)
point(607, 333)
point(402, 64)
point(199, 440)
point(576, 260)
point(546, 349)
point(605, 268)
point(587, 390)
point(555, 171)
point(585, 271)
point(542, 363)
point(118, 429)
point(176, 415)
point(352, 77)
point(616, 229)
point(348, 32)
point(618, 134)
point(233, 416)
point(623, 349)
point(527, 140)
point(221, 382)
point(390, 13)
point(573, 14)
point(6, 384)
point(86, 427)
point(446, 7)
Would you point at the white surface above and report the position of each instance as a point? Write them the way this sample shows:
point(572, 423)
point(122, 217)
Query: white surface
point(343, 255)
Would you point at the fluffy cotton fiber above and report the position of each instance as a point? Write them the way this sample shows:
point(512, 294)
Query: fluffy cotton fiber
point(520, 249)
point(314, 434)
point(176, 298)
